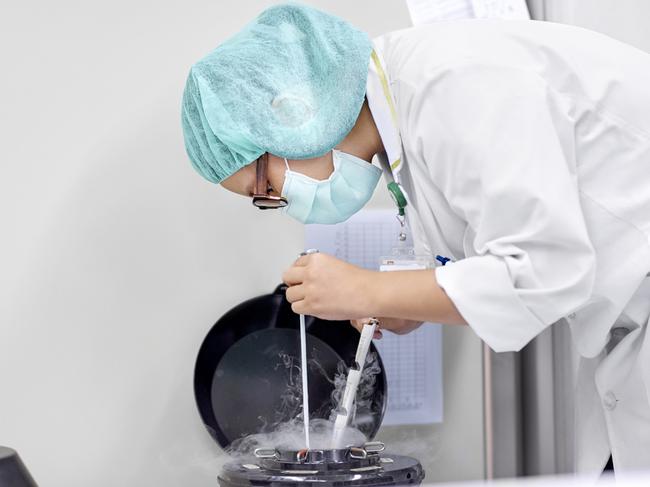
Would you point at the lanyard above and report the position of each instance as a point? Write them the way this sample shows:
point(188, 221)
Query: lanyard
point(383, 80)
point(391, 167)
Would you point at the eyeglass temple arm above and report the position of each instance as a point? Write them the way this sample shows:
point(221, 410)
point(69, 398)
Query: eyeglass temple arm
point(261, 181)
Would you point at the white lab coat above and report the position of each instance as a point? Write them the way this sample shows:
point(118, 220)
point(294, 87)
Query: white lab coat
point(525, 152)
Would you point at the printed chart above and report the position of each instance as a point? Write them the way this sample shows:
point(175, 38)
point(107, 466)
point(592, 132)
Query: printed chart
point(413, 362)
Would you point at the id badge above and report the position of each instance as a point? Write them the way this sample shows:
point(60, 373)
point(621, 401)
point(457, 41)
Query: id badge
point(405, 260)
point(403, 256)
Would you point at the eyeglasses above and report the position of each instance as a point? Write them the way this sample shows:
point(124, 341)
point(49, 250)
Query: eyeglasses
point(261, 197)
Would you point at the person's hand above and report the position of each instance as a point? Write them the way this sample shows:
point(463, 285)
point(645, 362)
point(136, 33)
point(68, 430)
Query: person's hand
point(326, 287)
point(395, 325)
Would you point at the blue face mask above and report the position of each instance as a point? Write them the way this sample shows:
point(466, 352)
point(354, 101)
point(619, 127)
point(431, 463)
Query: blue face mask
point(336, 198)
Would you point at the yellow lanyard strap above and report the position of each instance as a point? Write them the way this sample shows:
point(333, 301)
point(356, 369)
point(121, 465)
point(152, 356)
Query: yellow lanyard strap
point(389, 99)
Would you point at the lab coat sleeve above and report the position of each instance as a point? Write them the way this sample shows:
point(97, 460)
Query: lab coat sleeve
point(500, 148)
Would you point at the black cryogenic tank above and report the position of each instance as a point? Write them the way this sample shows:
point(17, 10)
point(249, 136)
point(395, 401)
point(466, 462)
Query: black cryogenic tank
point(245, 383)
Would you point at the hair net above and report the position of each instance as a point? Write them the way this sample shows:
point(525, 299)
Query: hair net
point(291, 83)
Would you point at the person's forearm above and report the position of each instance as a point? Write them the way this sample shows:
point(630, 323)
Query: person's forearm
point(413, 295)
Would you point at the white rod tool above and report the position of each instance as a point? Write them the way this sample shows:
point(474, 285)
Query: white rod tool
point(352, 384)
point(304, 367)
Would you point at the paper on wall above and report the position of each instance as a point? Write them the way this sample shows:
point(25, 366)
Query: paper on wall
point(413, 362)
point(500, 9)
point(426, 11)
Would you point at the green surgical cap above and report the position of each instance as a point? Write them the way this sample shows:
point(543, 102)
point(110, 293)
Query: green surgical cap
point(291, 83)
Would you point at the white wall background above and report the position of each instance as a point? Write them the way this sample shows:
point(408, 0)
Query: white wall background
point(116, 258)
point(626, 20)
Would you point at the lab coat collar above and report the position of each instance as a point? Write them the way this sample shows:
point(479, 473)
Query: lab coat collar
point(381, 103)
